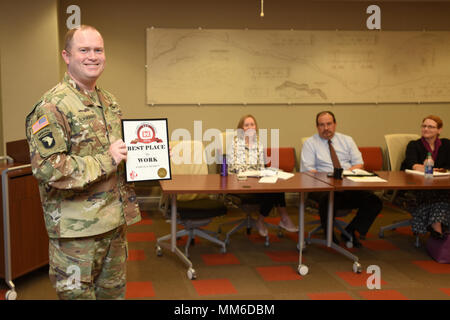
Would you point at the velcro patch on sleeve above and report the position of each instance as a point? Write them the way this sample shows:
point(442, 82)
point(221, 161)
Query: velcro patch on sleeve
point(41, 123)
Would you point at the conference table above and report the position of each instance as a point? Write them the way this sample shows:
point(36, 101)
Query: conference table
point(301, 183)
point(216, 184)
point(394, 180)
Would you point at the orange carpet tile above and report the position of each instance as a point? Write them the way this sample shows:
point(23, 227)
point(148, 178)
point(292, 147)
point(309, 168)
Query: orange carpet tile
point(432, 266)
point(356, 279)
point(293, 236)
point(378, 244)
point(141, 236)
point(139, 290)
point(220, 259)
point(213, 287)
point(382, 295)
point(136, 255)
point(330, 296)
point(181, 242)
point(404, 230)
point(446, 291)
point(370, 235)
point(278, 273)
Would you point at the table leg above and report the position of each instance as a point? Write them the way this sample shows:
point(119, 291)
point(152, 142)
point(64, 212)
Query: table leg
point(302, 269)
point(329, 241)
point(173, 240)
point(330, 218)
point(173, 225)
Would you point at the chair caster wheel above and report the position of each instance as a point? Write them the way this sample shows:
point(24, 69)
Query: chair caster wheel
point(280, 234)
point(219, 231)
point(249, 230)
point(223, 250)
point(302, 270)
point(357, 268)
point(266, 243)
point(349, 244)
point(11, 295)
point(192, 275)
point(158, 251)
point(381, 235)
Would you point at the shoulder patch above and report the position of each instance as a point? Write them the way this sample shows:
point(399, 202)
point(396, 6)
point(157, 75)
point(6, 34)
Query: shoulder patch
point(47, 140)
point(41, 123)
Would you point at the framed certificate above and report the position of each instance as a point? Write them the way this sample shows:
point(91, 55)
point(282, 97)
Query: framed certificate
point(148, 149)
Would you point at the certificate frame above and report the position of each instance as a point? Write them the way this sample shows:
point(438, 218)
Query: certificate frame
point(148, 155)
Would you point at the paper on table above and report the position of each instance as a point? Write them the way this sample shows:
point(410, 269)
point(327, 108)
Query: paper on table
point(272, 179)
point(258, 173)
point(357, 172)
point(284, 175)
point(435, 174)
point(366, 179)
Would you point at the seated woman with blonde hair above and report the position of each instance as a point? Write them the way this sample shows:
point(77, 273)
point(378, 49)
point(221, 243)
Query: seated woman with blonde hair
point(431, 212)
point(248, 154)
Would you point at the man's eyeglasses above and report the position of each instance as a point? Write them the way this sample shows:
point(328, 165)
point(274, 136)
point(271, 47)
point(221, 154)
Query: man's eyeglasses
point(424, 126)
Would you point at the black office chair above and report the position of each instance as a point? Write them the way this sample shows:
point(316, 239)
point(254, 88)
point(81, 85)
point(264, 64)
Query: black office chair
point(312, 206)
point(250, 206)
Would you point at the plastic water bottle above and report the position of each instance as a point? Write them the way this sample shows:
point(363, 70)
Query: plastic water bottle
point(429, 164)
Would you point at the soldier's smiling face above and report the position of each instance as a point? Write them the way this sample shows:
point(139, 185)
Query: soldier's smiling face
point(85, 58)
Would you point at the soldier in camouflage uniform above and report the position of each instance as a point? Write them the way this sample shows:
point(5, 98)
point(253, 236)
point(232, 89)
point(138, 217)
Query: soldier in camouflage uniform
point(77, 155)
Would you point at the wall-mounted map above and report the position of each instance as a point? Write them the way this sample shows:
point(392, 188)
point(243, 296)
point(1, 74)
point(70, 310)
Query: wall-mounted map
point(200, 66)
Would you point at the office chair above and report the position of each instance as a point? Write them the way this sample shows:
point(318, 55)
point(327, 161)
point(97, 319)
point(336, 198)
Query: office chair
point(194, 210)
point(8, 159)
point(286, 158)
point(395, 152)
point(396, 147)
point(244, 202)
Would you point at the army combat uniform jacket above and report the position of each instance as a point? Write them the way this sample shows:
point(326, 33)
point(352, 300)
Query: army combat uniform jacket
point(83, 192)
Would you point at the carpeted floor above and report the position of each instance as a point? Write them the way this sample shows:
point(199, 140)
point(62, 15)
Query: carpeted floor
point(249, 270)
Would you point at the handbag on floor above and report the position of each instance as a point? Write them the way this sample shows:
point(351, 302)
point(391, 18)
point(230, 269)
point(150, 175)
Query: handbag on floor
point(439, 250)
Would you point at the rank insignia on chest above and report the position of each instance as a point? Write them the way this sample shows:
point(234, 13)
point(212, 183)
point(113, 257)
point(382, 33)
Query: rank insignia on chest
point(41, 123)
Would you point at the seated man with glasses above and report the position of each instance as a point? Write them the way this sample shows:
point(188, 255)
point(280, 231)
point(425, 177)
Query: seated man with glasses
point(327, 150)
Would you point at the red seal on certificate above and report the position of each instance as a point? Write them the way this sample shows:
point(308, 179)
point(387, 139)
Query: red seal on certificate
point(146, 134)
point(133, 175)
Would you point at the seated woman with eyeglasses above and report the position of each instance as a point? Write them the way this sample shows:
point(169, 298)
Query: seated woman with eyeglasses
point(248, 154)
point(431, 212)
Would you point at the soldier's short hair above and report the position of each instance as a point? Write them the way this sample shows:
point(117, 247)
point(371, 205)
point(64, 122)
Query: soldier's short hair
point(69, 34)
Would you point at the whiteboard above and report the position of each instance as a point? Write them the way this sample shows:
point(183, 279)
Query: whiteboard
point(212, 66)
